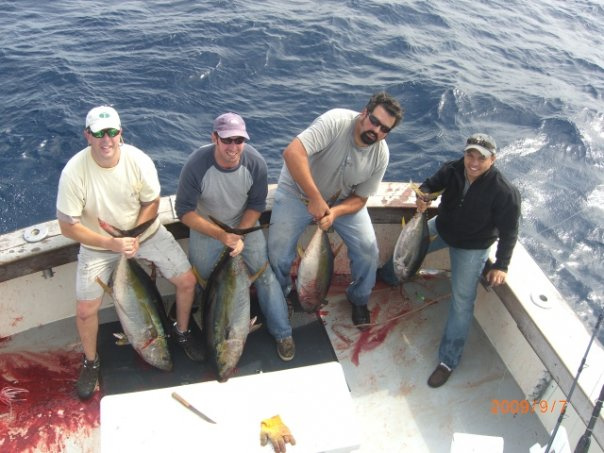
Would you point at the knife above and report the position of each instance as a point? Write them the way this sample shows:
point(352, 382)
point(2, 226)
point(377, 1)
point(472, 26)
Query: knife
point(193, 409)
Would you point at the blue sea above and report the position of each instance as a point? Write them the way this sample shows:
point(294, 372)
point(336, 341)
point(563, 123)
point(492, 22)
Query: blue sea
point(530, 73)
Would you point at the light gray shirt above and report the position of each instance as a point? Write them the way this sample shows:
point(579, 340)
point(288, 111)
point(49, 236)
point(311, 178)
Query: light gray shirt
point(336, 162)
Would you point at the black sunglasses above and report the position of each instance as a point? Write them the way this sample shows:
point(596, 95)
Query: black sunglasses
point(373, 120)
point(229, 140)
point(100, 134)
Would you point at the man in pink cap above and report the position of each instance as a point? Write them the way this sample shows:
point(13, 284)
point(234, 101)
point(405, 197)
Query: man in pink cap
point(227, 180)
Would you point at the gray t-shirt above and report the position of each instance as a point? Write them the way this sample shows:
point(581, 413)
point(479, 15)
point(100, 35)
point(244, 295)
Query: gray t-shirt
point(336, 162)
point(225, 194)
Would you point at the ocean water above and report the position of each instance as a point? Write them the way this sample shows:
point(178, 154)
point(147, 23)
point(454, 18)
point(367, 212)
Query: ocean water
point(530, 73)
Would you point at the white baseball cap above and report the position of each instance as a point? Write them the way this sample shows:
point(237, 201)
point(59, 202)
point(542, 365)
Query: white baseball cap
point(103, 117)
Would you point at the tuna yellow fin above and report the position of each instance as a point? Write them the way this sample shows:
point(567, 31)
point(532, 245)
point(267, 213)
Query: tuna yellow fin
point(259, 273)
point(337, 249)
point(105, 287)
point(122, 339)
point(199, 278)
point(253, 326)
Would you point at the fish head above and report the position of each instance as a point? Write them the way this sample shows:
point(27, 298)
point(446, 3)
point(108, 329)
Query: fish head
point(157, 353)
point(228, 353)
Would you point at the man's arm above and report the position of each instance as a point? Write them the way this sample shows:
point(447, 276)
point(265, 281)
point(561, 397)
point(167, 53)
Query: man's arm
point(249, 218)
point(148, 211)
point(296, 159)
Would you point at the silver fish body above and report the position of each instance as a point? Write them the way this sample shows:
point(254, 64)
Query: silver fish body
point(227, 313)
point(136, 300)
point(315, 271)
point(411, 247)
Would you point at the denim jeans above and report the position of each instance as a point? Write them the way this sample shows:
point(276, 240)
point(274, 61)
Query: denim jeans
point(466, 268)
point(289, 219)
point(204, 252)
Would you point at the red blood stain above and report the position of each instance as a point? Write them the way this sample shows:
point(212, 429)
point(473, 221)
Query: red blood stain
point(375, 336)
point(51, 413)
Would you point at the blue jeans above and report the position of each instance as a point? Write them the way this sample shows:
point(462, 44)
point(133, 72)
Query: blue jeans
point(204, 252)
point(290, 217)
point(466, 268)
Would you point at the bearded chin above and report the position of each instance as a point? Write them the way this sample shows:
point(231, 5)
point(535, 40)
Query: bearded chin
point(368, 139)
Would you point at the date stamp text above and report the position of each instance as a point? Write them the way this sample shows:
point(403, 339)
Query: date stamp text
point(527, 407)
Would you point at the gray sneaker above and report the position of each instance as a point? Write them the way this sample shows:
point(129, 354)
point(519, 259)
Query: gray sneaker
point(193, 349)
point(286, 349)
point(89, 376)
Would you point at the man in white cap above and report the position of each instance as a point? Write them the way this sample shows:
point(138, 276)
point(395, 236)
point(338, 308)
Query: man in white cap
point(478, 207)
point(117, 183)
point(227, 180)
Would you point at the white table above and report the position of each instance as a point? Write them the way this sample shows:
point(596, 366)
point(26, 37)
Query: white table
point(313, 401)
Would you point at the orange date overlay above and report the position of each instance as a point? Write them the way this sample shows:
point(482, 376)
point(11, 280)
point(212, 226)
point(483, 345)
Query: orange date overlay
point(527, 407)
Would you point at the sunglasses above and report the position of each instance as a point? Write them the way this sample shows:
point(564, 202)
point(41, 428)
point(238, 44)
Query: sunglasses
point(373, 120)
point(100, 134)
point(229, 140)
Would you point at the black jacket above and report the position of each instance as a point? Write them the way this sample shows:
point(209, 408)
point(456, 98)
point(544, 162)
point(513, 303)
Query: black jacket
point(489, 210)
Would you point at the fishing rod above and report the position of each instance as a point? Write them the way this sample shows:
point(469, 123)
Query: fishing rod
point(572, 387)
point(585, 441)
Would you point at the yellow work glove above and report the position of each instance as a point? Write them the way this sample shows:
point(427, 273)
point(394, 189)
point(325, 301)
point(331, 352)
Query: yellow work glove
point(274, 429)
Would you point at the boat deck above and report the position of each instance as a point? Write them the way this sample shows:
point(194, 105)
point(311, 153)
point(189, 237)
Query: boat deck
point(386, 369)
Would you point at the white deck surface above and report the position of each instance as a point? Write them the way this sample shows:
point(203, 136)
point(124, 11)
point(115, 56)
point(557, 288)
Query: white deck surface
point(306, 398)
point(397, 410)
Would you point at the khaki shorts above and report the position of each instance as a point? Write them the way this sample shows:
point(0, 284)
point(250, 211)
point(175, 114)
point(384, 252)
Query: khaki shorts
point(161, 249)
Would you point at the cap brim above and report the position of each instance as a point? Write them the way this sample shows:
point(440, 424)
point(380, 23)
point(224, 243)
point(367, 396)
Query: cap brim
point(233, 133)
point(104, 124)
point(481, 149)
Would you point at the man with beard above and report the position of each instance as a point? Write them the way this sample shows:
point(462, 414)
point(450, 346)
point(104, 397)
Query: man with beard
point(342, 153)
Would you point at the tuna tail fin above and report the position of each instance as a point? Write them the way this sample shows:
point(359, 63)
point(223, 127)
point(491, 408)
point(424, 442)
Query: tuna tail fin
point(426, 196)
point(239, 231)
point(134, 232)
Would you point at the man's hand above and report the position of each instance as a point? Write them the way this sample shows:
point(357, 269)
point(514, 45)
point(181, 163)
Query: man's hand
point(127, 246)
point(232, 241)
point(496, 277)
point(274, 429)
point(317, 208)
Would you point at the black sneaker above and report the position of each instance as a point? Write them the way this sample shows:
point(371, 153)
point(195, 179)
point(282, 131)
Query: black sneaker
point(89, 376)
point(440, 375)
point(193, 349)
point(286, 349)
point(360, 316)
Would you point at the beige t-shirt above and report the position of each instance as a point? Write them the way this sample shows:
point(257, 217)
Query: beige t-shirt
point(113, 195)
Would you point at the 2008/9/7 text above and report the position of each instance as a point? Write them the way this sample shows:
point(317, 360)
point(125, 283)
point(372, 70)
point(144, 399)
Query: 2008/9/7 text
point(526, 406)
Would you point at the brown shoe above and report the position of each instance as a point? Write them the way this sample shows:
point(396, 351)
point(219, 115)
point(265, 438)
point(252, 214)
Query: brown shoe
point(286, 349)
point(440, 375)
